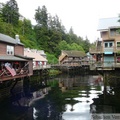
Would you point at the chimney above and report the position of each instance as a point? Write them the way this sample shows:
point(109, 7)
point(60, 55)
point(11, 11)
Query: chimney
point(17, 38)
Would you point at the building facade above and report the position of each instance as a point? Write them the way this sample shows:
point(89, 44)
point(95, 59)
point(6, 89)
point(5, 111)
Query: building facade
point(13, 63)
point(107, 49)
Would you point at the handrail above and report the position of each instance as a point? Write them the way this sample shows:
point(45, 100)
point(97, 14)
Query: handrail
point(105, 64)
point(102, 50)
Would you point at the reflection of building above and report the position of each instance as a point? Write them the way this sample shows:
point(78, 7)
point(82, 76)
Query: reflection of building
point(107, 50)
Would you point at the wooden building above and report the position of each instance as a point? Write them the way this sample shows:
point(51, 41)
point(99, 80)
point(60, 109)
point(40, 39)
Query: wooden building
point(73, 58)
point(13, 63)
point(107, 49)
point(39, 60)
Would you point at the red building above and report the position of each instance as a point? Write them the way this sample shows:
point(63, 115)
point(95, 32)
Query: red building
point(13, 63)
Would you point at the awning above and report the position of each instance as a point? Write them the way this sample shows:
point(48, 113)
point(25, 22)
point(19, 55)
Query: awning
point(108, 53)
point(11, 58)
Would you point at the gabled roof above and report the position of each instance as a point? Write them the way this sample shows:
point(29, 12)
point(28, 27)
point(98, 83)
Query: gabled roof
point(106, 23)
point(8, 39)
point(71, 53)
point(36, 56)
point(74, 53)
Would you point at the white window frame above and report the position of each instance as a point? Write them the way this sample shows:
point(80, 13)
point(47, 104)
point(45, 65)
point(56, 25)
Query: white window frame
point(10, 50)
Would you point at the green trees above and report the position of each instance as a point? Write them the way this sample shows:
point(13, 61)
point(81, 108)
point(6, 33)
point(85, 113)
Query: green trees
point(63, 45)
point(10, 12)
point(48, 34)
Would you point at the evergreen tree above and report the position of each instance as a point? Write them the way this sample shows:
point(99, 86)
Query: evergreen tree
point(41, 16)
point(10, 12)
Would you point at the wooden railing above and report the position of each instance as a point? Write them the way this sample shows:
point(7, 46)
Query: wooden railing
point(96, 50)
point(104, 65)
point(102, 50)
point(6, 75)
point(41, 67)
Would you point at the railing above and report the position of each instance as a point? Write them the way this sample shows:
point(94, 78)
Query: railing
point(96, 50)
point(104, 65)
point(8, 74)
point(102, 50)
point(41, 67)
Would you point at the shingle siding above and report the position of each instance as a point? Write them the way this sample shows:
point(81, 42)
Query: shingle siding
point(19, 50)
point(2, 49)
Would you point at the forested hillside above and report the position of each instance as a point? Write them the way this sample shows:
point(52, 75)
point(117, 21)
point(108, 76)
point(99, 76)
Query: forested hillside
point(48, 34)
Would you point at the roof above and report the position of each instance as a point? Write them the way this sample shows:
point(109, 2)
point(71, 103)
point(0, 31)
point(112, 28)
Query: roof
point(106, 23)
point(74, 53)
point(61, 57)
point(8, 39)
point(24, 57)
point(35, 55)
point(10, 58)
point(71, 53)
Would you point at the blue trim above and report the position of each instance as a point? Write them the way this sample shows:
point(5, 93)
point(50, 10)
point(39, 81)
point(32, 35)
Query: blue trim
point(108, 52)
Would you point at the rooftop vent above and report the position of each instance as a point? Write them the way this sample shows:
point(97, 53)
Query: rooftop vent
point(17, 38)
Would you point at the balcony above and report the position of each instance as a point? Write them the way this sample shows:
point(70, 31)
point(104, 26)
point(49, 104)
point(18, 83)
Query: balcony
point(100, 50)
point(104, 65)
point(8, 72)
point(96, 50)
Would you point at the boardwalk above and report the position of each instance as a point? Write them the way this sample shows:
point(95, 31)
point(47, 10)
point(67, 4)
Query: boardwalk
point(92, 66)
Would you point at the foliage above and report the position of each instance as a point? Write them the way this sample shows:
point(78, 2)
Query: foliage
point(54, 72)
point(74, 46)
point(10, 12)
point(48, 34)
point(51, 58)
point(41, 16)
point(118, 53)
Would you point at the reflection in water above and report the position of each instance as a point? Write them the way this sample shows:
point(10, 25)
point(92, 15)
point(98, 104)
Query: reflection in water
point(66, 98)
point(86, 88)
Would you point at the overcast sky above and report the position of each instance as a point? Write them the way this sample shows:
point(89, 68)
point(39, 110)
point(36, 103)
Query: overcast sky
point(81, 15)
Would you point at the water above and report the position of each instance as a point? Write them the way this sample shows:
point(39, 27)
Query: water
point(65, 98)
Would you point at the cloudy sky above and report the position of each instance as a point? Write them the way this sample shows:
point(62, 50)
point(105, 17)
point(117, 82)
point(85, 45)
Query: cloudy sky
point(81, 15)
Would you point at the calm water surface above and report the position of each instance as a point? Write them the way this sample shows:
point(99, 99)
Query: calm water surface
point(67, 97)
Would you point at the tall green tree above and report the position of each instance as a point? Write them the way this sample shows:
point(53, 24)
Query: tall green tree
point(10, 12)
point(86, 45)
point(41, 16)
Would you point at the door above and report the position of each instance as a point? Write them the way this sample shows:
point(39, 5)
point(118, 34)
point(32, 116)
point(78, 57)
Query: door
point(108, 61)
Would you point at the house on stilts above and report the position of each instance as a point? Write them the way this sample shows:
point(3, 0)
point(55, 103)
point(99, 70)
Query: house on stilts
point(107, 50)
point(13, 63)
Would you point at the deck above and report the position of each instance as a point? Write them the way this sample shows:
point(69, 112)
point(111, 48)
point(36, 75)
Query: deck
point(104, 66)
point(92, 66)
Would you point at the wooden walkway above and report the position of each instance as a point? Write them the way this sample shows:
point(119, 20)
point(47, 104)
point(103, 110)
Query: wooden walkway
point(92, 66)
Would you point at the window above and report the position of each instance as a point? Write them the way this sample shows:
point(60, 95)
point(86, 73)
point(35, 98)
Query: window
point(110, 44)
point(118, 44)
point(118, 59)
point(106, 45)
point(114, 32)
point(10, 50)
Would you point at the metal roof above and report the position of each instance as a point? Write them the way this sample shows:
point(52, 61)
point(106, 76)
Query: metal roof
point(11, 58)
point(106, 23)
point(35, 55)
point(8, 39)
point(74, 53)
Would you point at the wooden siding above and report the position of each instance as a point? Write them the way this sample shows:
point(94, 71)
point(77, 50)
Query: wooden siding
point(19, 50)
point(30, 67)
point(2, 49)
point(105, 35)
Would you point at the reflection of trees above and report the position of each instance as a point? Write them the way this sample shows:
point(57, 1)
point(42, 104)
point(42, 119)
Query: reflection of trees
point(51, 107)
